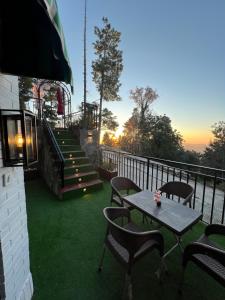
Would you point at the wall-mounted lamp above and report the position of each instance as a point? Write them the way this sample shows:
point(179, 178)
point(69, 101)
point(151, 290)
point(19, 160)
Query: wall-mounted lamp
point(19, 137)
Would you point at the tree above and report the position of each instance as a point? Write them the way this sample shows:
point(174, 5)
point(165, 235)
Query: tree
point(50, 104)
point(129, 141)
point(109, 139)
point(109, 120)
point(25, 90)
point(107, 67)
point(159, 139)
point(214, 154)
point(143, 98)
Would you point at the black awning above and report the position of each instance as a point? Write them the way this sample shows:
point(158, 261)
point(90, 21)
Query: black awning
point(31, 42)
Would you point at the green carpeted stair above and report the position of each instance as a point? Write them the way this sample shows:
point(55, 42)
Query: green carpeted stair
point(79, 175)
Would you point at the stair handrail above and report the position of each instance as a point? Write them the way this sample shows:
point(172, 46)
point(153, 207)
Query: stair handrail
point(55, 148)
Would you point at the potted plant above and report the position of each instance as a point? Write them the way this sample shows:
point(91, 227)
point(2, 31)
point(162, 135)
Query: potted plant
point(107, 170)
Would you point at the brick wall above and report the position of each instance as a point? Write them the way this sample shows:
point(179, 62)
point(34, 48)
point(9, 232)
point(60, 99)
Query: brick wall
point(15, 277)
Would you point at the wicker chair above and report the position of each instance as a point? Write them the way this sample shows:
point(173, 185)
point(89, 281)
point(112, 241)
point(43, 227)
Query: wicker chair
point(128, 243)
point(179, 189)
point(206, 254)
point(122, 186)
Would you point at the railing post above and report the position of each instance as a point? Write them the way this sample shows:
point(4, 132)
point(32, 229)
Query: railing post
point(147, 184)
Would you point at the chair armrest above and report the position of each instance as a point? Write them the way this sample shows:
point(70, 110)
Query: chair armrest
point(215, 229)
point(118, 212)
point(200, 248)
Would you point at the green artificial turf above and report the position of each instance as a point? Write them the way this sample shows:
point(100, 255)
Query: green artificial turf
point(66, 240)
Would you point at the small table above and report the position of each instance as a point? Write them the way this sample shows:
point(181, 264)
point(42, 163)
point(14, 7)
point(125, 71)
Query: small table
point(174, 216)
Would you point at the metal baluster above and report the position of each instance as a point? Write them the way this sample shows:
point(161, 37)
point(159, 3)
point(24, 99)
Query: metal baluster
point(147, 183)
point(139, 174)
point(196, 176)
point(136, 170)
point(188, 175)
point(162, 175)
point(167, 177)
point(143, 175)
point(157, 172)
point(133, 169)
point(152, 176)
point(174, 173)
point(222, 220)
point(213, 198)
point(130, 169)
point(203, 195)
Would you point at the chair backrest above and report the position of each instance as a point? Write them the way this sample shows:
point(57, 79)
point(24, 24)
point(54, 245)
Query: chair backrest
point(128, 239)
point(179, 189)
point(122, 183)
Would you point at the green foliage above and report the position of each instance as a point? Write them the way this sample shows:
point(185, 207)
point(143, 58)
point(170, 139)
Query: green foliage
point(107, 67)
point(109, 139)
point(190, 157)
point(50, 104)
point(155, 138)
point(25, 90)
point(214, 154)
point(109, 120)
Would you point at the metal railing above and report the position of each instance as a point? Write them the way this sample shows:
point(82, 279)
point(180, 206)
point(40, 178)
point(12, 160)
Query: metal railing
point(77, 118)
point(151, 173)
point(55, 149)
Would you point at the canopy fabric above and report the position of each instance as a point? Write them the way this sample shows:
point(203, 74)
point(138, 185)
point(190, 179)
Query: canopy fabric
point(32, 42)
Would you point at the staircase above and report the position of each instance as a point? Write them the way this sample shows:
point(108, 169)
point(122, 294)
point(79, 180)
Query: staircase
point(79, 175)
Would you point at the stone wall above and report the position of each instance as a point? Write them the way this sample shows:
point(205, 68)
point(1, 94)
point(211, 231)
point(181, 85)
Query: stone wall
point(89, 143)
point(15, 277)
point(49, 168)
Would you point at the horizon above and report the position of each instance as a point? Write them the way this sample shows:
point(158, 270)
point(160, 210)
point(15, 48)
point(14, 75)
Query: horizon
point(176, 48)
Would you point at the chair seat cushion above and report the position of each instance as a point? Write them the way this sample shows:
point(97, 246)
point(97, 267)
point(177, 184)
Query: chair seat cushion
point(121, 253)
point(209, 264)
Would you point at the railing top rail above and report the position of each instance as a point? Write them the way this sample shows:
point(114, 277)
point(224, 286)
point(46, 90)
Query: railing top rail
point(168, 161)
point(56, 146)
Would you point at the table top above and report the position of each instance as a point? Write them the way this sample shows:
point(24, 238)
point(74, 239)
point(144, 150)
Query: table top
point(173, 215)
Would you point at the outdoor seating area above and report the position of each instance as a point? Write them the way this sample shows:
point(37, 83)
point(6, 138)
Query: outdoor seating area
point(66, 243)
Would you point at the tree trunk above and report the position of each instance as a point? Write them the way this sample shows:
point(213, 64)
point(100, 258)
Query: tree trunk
point(100, 110)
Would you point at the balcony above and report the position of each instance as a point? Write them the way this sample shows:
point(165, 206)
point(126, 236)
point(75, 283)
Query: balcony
point(66, 243)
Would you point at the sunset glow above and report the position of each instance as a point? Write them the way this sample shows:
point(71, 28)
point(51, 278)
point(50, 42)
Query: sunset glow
point(197, 137)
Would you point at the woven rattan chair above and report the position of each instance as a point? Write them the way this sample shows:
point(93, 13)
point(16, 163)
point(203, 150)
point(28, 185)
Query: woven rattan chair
point(122, 186)
point(206, 254)
point(179, 189)
point(128, 243)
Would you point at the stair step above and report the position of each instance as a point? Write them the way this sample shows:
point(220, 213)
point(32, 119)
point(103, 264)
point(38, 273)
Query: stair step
point(85, 187)
point(76, 160)
point(63, 135)
point(70, 147)
point(80, 177)
point(73, 153)
point(67, 141)
point(77, 168)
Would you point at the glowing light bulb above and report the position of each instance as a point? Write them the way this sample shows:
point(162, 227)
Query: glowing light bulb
point(84, 190)
point(19, 140)
point(80, 179)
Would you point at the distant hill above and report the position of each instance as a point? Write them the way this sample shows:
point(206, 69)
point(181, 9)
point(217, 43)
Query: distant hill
point(195, 147)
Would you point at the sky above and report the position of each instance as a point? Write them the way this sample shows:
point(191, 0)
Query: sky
point(177, 47)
